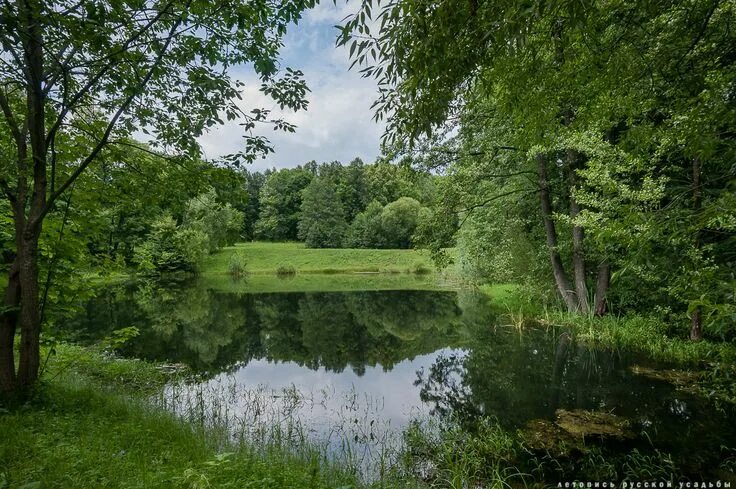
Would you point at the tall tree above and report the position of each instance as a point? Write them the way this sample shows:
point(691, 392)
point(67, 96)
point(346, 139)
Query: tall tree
point(280, 203)
point(103, 69)
point(322, 220)
point(621, 109)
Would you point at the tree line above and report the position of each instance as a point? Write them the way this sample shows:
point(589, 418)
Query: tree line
point(331, 205)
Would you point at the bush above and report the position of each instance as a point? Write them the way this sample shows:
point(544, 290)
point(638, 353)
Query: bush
point(170, 248)
point(365, 231)
point(392, 226)
point(398, 222)
point(420, 268)
point(236, 265)
point(286, 271)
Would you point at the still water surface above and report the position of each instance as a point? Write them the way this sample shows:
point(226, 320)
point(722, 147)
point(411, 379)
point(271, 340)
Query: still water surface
point(357, 367)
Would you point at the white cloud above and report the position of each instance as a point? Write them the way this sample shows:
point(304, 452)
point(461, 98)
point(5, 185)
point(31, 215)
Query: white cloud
point(338, 123)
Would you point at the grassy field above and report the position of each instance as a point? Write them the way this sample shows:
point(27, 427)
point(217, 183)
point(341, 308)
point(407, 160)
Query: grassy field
point(267, 258)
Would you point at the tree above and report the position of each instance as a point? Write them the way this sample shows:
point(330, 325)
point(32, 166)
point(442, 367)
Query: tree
point(365, 231)
point(399, 221)
point(322, 221)
point(618, 110)
point(103, 69)
point(352, 189)
point(280, 204)
point(254, 184)
point(219, 222)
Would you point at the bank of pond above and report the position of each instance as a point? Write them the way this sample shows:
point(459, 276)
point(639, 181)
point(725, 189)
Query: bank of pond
point(208, 383)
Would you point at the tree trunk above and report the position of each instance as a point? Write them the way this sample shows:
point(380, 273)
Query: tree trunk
point(30, 321)
point(578, 259)
point(601, 288)
point(558, 270)
point(28, 233)
point(578, 236)
point(696, 325)
point(8, 321)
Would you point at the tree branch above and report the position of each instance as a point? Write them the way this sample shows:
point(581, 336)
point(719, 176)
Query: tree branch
point(10, 118)
point(111, 125)
point(93, 81)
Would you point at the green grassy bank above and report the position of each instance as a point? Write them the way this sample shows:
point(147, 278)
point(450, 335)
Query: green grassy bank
point(315, 282)
point(268, 258)
point(90, 426)
point(712, 363)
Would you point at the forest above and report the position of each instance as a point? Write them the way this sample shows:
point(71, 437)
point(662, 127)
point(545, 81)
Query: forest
point(533, 283)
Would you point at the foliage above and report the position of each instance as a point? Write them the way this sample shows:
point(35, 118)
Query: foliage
point(280, 204)
point(399, 221)
point(365, 231)
point(616, 117)
point(237, 264)
point(322, 220)
point(89, 76)
point(171, 248)
point(392, 226)
point(338, 207)
point(254, 182)
point(219, 222)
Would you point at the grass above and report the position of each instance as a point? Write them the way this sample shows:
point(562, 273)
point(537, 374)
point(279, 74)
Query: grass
point(714, 361)
point(267, 258)
point(91, 426)
point(500, 294)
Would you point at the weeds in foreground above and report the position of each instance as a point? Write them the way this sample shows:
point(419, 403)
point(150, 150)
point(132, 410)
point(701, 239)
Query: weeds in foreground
point(92, 427)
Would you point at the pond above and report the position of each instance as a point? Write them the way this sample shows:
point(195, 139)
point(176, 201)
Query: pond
point(349, 371)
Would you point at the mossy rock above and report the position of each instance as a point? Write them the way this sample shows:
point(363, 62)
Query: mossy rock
point(542, 435)
point(680, 378)
point(597, 424)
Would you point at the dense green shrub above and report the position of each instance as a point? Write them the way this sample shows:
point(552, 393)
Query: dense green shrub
point(390, 226)
point(286, 271)
point(399, 221)
point(171, 248)
point(366, 231)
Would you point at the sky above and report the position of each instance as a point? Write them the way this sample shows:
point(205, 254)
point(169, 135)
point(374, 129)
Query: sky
point(338, 123)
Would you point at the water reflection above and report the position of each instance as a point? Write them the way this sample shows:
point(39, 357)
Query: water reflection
point(214, 332)
point(364, 363)
point(534, 376)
